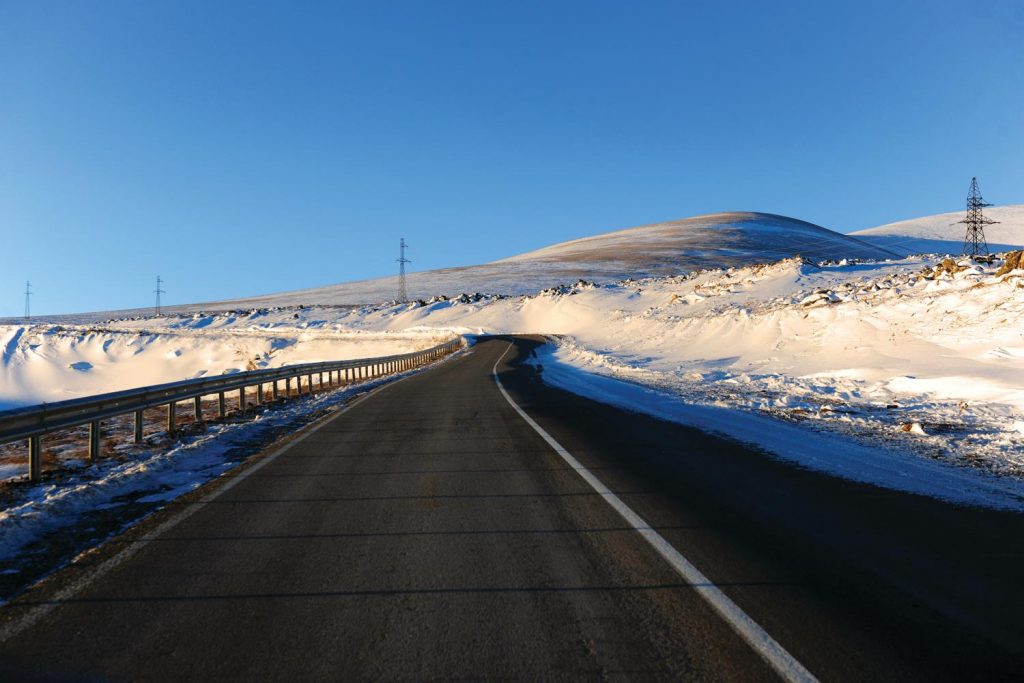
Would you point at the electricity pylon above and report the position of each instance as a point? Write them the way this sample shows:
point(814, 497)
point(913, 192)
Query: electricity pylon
point(28, 303)
point(403, 296)
point(974, 240)
point(158, 291)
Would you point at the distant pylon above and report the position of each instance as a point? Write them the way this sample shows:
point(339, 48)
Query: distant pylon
point(28, 302)
point(158, 291)
point(974, 240)
point(403, 296)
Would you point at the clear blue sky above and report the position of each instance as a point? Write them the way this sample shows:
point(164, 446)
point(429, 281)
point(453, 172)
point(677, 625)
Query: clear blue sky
point(239, 148)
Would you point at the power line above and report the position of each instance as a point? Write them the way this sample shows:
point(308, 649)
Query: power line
point(974, 240)
point(403, 296)
point(158, 291)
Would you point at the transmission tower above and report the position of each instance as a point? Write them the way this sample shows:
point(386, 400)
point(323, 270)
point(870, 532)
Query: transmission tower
point(28, 301)
point(158, 291)
point(403, 296)
point(974, 241)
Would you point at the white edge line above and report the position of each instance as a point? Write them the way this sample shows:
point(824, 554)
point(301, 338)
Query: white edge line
point(774, 654)
point(39, 611)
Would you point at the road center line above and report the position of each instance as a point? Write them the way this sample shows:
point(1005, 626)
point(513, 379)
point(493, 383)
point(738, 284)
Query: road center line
point(774, 654)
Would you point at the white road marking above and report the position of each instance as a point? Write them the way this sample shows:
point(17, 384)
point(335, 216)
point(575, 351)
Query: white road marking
point(774, 654)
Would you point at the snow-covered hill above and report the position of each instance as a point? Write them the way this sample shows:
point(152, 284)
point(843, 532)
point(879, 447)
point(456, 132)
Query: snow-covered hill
point(672, 248)
point(713, 241)
point(943, 234)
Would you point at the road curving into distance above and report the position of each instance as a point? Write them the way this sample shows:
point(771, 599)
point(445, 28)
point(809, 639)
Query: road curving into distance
point(436, 529)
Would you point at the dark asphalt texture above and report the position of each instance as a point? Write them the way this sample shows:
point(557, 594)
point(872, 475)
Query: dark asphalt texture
point(428, 532)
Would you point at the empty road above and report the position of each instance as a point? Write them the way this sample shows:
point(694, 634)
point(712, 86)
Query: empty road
point(430, 531)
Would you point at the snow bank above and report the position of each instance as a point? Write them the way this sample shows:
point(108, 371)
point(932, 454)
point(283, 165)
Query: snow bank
point(47, 363)
point(824, 452)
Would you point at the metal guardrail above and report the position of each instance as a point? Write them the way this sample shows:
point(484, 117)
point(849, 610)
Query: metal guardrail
point(33, 422)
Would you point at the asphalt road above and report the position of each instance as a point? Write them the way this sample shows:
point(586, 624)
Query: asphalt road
point(430, 532)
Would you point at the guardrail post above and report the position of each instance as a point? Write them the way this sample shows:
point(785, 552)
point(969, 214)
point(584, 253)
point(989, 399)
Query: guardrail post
point(35, 458)
point(310, 380)
point(222, 409)
point(277, 392)
point(94, 441)
point(138, 426)
point(259, 394)
point(197, 410)
point(241, 400)
point(172, 409)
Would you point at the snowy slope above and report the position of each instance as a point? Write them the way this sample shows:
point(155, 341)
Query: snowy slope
point(712, 241)
point(943, 234)
point(48, 363)
point(716, 240)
